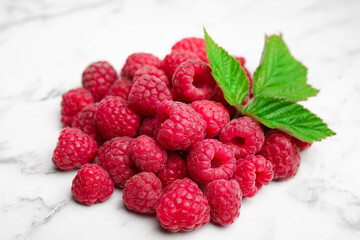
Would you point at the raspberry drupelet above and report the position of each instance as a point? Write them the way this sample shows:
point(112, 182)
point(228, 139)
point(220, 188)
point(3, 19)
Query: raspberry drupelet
point(115, 157)
point(174, 168)
point(210, 160)
point(152, 71)
point(172, 61)
point(120, 88)
point(194, 45)
point(136, 61)
point(148, 126)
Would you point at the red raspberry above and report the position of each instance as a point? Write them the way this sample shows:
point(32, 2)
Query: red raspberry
point(152, 71)
point(115, 157)
point(147, 154)
point(282, 153)
point(115, 118)
point(74, 148)
point(183, 207)
point(148, 127)
point(224, 198)
point(193, 81)
point(120, 88)
point(98, 77)
point(136, 61)
point(175, 168)
point(210, 160)
point(301, 145)
point(243, 135)
point(147, 93)
point(73, 102)
point(215, 115)
point(92, 184)
point(194, 45)
point(85, 121)
point(174, 59)
point(179, 126)
point(142, 192)
point(219, 97)
point(253, 172)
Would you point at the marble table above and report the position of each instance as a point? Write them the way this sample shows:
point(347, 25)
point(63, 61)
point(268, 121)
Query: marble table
point(44, 47)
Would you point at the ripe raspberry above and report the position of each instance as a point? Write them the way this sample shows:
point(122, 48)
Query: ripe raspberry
point(282, 153)
point(152, 71)
point(73, 102)
point(210, 160)
point(243, 135)
point(193, 81)
point(120, 88)
point(142, 192)
point(301, 145)
point(136, 61)
point(115, 157)
point(253, 172)
point(183, 207)
point(179, 126)
point(73, 149)
point(174, 59)
point(215, 115)
point(224, 198)
point(148, 127)
point(92, 184)
point(98, 77)
point(175, 168)
point(219, 97)
point(147, 93)
point(194, 45)
point(115, 118)
point(85, 121)
point(147, 154)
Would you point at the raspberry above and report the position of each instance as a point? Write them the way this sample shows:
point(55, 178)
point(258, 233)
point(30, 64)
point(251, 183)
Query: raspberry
point(148, 127)
point(147, 154)
point(115, 118)
point(224, 198)
point(73, 149)
point(120, 88)
point(219, 97)
point(152, 71)
point(193, 81)
point(253, 172)
point(243, 135)
point(282, 153)
point(115, 157)
point(142, 192)
point(179, 126)
point(147, 93)
point(73, 102)
point(301, 145)
point(85, 121)
point(136, 61)
point(183, 207)
point(194, 45)
point(215, 115)
point(174, 59)
point(175, 168)
point(98, 77)
point(210, 160)
point(92, 184)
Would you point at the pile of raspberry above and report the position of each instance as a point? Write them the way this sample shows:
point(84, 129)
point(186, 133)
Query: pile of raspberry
point(162, 131)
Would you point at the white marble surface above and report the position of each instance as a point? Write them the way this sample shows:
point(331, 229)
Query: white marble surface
point(45, 45)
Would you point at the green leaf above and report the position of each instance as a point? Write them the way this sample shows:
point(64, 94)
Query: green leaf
point(288, 117)
point(227, 72)
point(279, 74)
